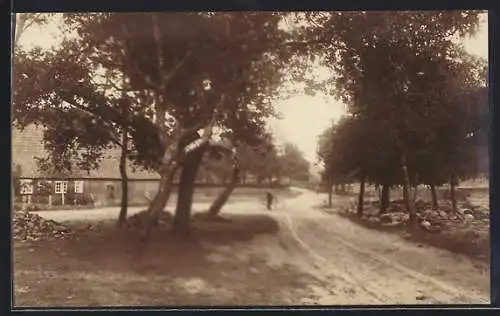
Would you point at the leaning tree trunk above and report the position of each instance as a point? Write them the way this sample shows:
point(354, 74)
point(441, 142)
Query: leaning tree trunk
point(410, 207)
point(384, 199)
point(160, 199)
point(452, 193)
point(124, 181)
point(434, 196)
point(182, 218)
point(219, 202)
point(361, 194)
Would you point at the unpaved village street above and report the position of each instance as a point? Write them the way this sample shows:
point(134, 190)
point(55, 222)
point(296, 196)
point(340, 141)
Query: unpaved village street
point(351, 264)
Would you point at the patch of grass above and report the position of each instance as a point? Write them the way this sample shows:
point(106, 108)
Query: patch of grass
point(106, 266)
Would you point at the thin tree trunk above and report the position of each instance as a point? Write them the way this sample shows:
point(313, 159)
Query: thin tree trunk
point(361, 195)
point(405, 193)
point(452, 193)
point(434, 196)
point(124, 181)
point(410, 207)
point(415, 194)
point(20, 21)
point(330, 193)
point(384, 199)
point(379, 192)
point(182, 218)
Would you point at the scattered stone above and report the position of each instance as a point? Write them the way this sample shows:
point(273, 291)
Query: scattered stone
point(385, 219)
point(425, 224)
point(479, 214)
point(467, 211)
point(469, 217)
point(420, 297)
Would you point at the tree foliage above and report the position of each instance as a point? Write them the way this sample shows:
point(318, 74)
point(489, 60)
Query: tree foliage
point(411, 88)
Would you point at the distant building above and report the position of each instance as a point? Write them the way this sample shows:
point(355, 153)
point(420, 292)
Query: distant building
point(102, 185)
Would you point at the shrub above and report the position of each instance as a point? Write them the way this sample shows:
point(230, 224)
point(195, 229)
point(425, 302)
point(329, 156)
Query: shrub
point(73, 199)
point(39, 199)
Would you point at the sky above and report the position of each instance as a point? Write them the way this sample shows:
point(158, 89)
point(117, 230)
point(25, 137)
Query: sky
point(304, 117)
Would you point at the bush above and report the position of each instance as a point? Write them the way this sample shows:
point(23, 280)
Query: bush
point(56, 199)
point(84, 199)
point(39, 199)
point(73, 199)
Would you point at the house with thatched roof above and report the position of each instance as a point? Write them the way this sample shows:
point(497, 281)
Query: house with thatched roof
point(101, 186)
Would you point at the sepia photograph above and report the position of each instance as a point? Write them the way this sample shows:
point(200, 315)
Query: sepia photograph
point(260, 158)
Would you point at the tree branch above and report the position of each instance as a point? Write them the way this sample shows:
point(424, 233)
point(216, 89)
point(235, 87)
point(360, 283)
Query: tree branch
point(147, 78)
point(159, 49)
point(90, 111)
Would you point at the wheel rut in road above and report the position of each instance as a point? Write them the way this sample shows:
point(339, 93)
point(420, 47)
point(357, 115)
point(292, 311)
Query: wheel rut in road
point(337, 248)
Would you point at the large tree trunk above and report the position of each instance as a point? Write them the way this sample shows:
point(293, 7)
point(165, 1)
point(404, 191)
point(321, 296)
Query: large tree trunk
point(124, 180)
point(452, 192)
point(410, 207)
point(434, 196)
point(182, 218)
point(219, 202)
point(361, 195)
point(384, 198)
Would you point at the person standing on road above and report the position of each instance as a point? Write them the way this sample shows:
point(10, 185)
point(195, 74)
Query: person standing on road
point(269, 199)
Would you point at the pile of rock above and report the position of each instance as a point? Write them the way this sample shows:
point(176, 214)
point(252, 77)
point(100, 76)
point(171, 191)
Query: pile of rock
point(429, 217)
point(27, 226)
point(138, 220)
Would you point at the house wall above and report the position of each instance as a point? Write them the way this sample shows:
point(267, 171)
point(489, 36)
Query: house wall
point(108, 192)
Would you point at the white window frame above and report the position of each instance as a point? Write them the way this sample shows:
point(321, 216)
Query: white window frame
point(78, 186)
point(26, 186)
point(39, 183)
point(61, 187)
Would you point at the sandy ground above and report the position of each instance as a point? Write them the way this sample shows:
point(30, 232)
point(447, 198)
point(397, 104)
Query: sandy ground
point(350, 264)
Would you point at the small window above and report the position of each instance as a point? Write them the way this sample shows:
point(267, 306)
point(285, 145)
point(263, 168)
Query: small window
point(78, 186)
point(61, 186)
point(26, 186)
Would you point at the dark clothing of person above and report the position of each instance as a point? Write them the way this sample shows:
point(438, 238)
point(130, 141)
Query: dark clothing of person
point(270, 198)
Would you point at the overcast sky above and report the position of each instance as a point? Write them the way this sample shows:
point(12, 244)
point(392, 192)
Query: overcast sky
point(304, 117)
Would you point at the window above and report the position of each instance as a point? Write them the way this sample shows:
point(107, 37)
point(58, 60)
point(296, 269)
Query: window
point(26, 186)
point(61, 186)
point(78, 186)
point(44, 187)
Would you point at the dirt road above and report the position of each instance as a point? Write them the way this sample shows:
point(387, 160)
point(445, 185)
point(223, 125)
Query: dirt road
point(351, 264)
point(373, 267)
